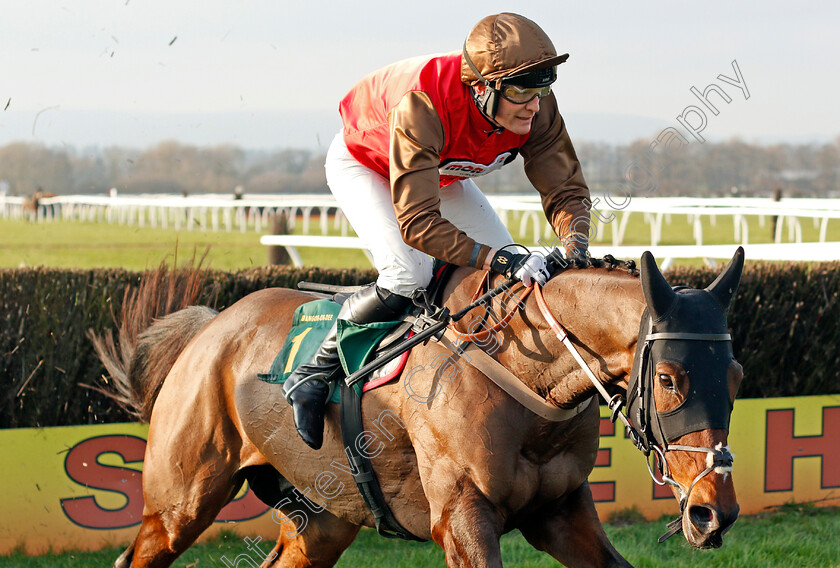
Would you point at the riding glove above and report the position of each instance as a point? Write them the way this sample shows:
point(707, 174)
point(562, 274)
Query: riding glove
point(526, 267)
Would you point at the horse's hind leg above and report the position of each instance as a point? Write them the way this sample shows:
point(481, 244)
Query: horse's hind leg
point(124, 561)
point(318, 544)
point(182, 498)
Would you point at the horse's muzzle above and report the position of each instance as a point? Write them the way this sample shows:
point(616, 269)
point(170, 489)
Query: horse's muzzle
point(704, 525)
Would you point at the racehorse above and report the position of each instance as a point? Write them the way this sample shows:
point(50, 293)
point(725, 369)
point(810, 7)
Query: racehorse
point(463, 463)
point(32, 207)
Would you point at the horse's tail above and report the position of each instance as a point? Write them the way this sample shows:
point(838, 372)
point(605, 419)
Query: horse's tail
point(157, 321)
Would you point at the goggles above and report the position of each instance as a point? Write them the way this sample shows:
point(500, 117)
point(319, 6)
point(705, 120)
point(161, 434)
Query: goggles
point(522, 88)
point(521, 95)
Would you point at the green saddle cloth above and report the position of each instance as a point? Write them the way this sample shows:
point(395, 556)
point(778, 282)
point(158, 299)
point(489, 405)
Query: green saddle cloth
point(310, 324)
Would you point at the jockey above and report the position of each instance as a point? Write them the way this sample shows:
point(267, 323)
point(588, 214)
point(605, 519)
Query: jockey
point(415, 134)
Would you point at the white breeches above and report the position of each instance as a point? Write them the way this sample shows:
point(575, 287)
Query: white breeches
point(365, 199)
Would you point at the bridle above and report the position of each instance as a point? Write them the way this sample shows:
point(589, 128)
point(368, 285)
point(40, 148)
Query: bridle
point(642, 435)
point(654, 441)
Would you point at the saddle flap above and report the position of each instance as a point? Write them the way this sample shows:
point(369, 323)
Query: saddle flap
point(356, 342)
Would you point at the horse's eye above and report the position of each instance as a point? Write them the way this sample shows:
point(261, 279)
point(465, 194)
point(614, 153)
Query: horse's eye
point(666, 381)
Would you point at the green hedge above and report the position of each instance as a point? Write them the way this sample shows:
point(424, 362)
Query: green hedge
point(45, 353)
point(784, 320)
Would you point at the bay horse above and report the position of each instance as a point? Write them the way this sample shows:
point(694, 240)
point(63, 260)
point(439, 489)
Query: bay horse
point(459, 460)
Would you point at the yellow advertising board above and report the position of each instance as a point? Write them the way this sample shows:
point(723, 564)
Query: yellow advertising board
point(786, 450)
point(79, 487)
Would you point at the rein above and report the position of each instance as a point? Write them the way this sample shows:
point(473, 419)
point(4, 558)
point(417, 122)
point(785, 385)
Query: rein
point(615, 402)
point(464, 345)
point(500, 324)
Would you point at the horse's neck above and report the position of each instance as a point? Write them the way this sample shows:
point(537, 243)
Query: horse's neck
point(599, 309)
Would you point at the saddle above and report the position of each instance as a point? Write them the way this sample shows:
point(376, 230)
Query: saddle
point(386, 344)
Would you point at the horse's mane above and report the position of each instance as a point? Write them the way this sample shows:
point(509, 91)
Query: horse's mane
point(609, 262)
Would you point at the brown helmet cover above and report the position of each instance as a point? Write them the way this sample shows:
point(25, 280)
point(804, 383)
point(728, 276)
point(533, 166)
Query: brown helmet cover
point(507, 44)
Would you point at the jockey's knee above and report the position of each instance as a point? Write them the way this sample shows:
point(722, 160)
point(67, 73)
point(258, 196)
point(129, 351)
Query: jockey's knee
point(405, 278)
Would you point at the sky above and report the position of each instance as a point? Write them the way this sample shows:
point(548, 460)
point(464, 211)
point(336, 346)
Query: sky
point(269, 74)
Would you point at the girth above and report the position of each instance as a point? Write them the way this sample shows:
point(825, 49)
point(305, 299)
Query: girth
point(362, 470)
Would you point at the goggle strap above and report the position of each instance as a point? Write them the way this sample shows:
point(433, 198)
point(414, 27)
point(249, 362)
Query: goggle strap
point(473, 68)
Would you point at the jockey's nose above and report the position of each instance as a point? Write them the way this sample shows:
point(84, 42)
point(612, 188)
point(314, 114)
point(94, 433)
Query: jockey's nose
point(533, 105)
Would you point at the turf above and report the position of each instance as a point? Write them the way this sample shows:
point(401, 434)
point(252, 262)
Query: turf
point(78, 244)
point(794, 536)
point(71, 244)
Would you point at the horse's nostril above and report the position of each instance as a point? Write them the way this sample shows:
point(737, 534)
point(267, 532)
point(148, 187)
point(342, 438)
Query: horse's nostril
point(701, 517)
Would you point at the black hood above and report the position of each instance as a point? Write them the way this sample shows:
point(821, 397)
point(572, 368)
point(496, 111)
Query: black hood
point(687, 327)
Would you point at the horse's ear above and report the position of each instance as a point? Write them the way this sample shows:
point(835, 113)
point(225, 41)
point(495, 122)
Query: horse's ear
point(725, 285)
point(659, 295)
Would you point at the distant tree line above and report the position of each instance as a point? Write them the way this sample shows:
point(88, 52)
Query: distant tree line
point(169, 167)
point(711, 169)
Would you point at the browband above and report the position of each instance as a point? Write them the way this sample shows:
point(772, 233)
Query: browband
point(690, 336)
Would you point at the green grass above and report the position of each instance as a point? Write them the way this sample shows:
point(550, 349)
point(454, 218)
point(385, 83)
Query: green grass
point(73, 244)
point(76, 244)
point(794, 536)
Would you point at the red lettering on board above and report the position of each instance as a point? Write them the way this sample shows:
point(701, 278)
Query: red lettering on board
point(782, 447)
point(662, 491)
point(82, 467)
point(604, 491)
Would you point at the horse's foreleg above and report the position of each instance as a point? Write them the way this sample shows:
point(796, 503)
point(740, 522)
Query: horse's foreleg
point(318, 544)
point(571, 532)
point(468, 529)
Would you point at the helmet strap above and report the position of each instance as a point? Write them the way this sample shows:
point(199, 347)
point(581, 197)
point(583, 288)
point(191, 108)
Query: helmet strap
point(488, 101)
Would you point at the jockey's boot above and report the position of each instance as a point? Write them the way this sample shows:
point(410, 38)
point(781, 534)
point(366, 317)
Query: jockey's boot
point(308, 387)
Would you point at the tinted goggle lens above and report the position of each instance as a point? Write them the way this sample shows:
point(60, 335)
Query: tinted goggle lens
point(521, 95)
